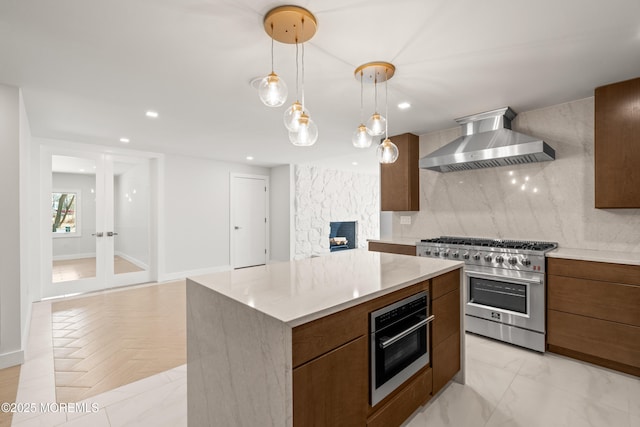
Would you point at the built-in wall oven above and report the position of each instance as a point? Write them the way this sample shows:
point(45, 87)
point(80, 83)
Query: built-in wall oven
point(399, 337)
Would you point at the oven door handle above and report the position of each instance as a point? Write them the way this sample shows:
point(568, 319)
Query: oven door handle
point(406, 332)
point(501, 279)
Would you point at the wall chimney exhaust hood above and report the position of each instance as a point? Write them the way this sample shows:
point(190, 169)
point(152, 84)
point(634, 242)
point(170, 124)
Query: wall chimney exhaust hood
point(487, 142)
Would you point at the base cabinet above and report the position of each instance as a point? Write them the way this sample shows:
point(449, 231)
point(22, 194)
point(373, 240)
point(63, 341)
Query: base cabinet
point(332, 389)
point(592, 312)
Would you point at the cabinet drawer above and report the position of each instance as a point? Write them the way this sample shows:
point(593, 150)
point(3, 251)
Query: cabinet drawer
point(446, 310)
point(403, 404)
point(392, 248)
point(601, 338)
point(315, 338)
point(602, 300)
point(445, 283)
point(445, 361)
point(608, 272)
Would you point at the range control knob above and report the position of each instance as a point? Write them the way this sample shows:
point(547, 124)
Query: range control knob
point(436, 253)
point(513, 260)
point(487, 258)
point(526, 262)
point(445, 254)
point(476, 257)
point(465, 255)
point(456, 254)
point(427, 252)
point(499, 259)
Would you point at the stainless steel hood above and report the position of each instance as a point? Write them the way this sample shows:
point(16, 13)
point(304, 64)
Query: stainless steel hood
point(487, 142)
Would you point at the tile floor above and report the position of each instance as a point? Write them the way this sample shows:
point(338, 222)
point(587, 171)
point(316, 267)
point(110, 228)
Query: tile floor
point(82, 268)
point(506, 386)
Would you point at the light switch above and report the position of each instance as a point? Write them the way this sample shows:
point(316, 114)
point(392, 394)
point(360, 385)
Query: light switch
point(405, 220)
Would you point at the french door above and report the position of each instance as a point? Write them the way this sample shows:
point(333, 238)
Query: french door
point(96, 211)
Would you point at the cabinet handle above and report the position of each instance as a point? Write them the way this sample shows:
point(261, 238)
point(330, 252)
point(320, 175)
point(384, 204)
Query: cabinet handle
point(406, 332)
point(98, 234)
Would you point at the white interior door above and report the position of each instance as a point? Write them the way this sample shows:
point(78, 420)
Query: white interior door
point(249, 207)
point(96, 219)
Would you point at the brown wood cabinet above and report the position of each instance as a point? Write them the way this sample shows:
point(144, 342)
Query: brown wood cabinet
point(617, 145)
point(392, 248)
point(332, 389)
point(331, 362)
point(400, 181)
point(593, 312)
point(445, 329)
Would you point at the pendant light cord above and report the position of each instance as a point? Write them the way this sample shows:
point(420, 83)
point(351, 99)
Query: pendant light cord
point(375, 91)
point(386, 101)
point(302, 78)
point(272, 48)
point(361, 97)
point(297, 74)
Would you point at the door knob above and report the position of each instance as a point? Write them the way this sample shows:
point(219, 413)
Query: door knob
point(98, 234)
point(236, 227)
point(111, 233)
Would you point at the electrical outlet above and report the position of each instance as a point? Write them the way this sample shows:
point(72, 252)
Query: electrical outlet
point(405, 220)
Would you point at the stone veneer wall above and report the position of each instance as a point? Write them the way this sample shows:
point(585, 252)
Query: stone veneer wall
point(552, 201)
point(323, 195)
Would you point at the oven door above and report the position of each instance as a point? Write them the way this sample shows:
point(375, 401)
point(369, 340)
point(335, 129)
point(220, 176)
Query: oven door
point(511, 297)
point(398, 352)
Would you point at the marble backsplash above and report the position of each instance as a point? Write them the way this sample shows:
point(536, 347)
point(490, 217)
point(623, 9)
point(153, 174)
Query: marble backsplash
point(551, 201)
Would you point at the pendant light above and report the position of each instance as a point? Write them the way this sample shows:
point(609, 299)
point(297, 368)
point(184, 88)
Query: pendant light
point(387, 151)
point(361, 138)
point(293, 25)
point(272, 89)
point(375, 72)
point(306, 132)
point(376, 123)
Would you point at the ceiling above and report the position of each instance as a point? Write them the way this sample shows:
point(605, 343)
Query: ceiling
point(90, 69)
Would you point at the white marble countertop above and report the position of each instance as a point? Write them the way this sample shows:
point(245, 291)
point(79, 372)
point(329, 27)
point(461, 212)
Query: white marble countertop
point(596, 255)
point(297, 292)
point(411, 241)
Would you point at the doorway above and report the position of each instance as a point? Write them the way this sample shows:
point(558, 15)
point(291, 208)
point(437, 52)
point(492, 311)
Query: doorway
point(98, 219)
point(249, 220)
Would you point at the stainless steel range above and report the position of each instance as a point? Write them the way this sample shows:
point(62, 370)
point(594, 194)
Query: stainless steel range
point(504, 285)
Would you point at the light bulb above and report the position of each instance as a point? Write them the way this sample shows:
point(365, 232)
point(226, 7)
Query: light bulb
point(292, 115)
point(387, 152)
point(272, 91)
point(307, 133)
point(361, 138)
point(376, 124)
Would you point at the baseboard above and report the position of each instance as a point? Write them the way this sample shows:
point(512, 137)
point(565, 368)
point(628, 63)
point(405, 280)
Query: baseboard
point(73, 256)
point(14, 358)
point(184, 274)
point(132, 260)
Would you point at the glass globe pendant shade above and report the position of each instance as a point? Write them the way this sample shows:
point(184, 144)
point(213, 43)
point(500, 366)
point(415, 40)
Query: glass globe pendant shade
point(376, 124)
point(292, 116)
point(307, 133)
point(387, 152)
point(272, 91)
point(361, 138)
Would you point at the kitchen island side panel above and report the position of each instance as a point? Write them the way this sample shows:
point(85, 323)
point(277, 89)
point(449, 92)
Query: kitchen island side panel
point(223, 337)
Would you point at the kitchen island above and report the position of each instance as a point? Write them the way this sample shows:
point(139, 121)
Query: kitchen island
point(279, 344)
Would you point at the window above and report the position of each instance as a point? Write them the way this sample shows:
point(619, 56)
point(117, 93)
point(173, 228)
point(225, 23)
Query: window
point(65, 214)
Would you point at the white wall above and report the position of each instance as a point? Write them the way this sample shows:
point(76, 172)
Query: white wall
point(196, 213)
point(131, 214)
point(11, 305)
point(485, 203)
point(84, 245)
point(281, 212)
point(324, 195)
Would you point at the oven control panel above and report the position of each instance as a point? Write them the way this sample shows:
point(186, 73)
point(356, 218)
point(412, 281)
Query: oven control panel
point(488, 257)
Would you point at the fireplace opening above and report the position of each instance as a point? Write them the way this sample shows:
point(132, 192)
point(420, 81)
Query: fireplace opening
point(342, 236)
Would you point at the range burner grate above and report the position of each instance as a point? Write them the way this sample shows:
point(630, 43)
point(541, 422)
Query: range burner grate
point(494, 243)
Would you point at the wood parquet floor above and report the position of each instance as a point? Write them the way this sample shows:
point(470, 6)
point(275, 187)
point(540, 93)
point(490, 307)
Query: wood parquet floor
point(9, 378)
point(104, 341)
point(84, 268)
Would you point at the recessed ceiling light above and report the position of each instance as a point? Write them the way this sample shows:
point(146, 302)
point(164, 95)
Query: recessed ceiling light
point(152, 114)
point(81, 170)
point(125, 140)
point(354, 163)
point(404, 105)
point(249, 157)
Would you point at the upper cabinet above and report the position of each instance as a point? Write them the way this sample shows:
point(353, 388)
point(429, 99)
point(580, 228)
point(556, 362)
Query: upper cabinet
point(617, 145)
point(400, 181)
